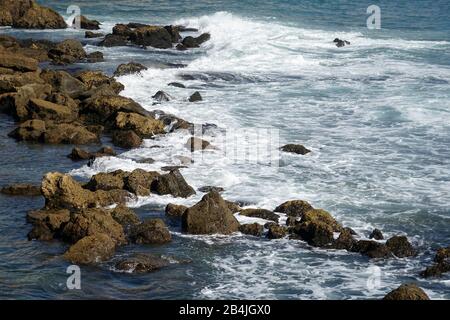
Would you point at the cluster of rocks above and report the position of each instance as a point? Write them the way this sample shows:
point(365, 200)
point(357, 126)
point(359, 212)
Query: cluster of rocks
point(441, 264)
point(341, 43)
point(161, 37)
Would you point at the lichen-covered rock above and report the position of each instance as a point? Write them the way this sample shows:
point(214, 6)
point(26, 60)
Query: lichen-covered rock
point(31, 130)
point(260, 213)
point(91, 249)
point(127, 139)
point(92, 221)
point(175, 210)
point(151, 231)
point(376, 234)
point(294, 208)
point(295, 148)
point(141, 263)
point(129, 68)
point(400, 247)
point(125, 216)
point(209, 216)
point(172, 183)
point(45, 110)
point(145, 127)
point(21, 189)
point(407, 291)
point(140, 181)
point(276, 232)
point(253, 229)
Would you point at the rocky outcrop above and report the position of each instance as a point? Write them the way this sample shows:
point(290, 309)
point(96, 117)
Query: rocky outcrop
point(153, 36)
point(145, 127)
point(209, 216)
point(91, 249)
point(172, 183)
point(47, 223)
point(141, 263)
point(294, 208)
point(260, 213)
point(174, 210)
point(400, 247)
point(21, 189)
point(28, 14)
point(67, 52)
point(151, 231)
point(129, 68)
point(78, 154)
point(195, 97)
point(376, 234)
point(45, 110)
point(295, 148)
point(191, 42)
point(276, 231)
point(253, 229)
point(407, 291)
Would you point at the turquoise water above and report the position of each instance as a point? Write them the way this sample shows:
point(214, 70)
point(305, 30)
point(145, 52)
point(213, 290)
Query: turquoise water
point(376, 115)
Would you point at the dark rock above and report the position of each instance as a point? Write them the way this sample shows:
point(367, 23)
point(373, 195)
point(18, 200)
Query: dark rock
point(294, 208)
point(295, 148)
point(151, 231)
point(207, 189)
point(67, 51)
point(291, 221)
point(253, 229)
point(186, 29)
point(372, 249)
point(141, 263)
point(400, 247)
point(80, 154)
point(126, 139)
point(95, 57)
point(153, 36)
point(408, 291)
point(181, 47)
point(129, 68)
point(107, 181)
point(40, 232)
point(92, 35)
point(140, 181)
point(276, 232)
point(376, 234)
point(122, 30)
point(177, 85)
point(91, 249)
point(88, 24)
point(125, 216)
point(196, 96)
point(341, 43)
point(436, 270)
point(209, 216)
point(112, 40)
point(174, 210)
point(191, 42)
point(172, 183)
point(172, 168)
point(21, 189)
point(174, 33)
point(345, 241)
point(260, 213)
point(161, 96)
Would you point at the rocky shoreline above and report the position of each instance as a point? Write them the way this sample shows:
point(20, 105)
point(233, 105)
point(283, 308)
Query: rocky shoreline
point(59, 107)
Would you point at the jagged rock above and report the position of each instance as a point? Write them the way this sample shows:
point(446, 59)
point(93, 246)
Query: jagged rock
point(145, 127)
point(172, 183)
point(294, 208)
point(67, 51)
point(107, 181)
point(28, 14)
point(341, 43)
point(376, 234)
point(125, 216)
point(80, 154)
point(68, 133)
point(63, 82)
point(112, 40)
point(260, 213)
point(174, 33)
point(207, 189)
point(210, 215)
point(196, 96)
point(92, 35)
point(61, 191)
point(129, 68)
point(94, 57)
point(345, 241)
point(195, 144)
point(372, 249)
point(174, 210)
point(233, 206)
point(21, 189)
point(151, 231)
point(153, 36)
point(97, 79)
point(88, 222)
point(177, 85)
point(295, 148)
point(161, 96)
point(317, 227)
point(40, 232)
point(126, 139)
point(191, 42)
point(88, 24)
point(91, 249)
point(140, 181)
point(407, 291)
point(141, 263)
point(253, 229)
point(45, 110)
point(400, 247)
point(276, 232)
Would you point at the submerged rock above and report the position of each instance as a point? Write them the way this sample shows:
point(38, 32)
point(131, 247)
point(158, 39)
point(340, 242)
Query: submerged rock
point(91, 249)
point(151, 231)
point(129, 68)
point(80, 154)
point(21, 189)
point(294, 208)
point(253, 229)
point(141, 263)
point(92, 35)
point(407, 291)
point(210, 215)
point(295, 148)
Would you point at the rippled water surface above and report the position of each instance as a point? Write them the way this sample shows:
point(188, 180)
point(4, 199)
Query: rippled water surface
point(376, 115)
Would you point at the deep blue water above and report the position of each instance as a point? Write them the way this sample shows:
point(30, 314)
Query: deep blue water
point(376, 115)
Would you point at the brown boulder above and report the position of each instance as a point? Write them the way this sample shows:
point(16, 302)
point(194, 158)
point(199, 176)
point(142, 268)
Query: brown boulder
point(295, 148)
point(152, 36)
point(151, 231)
point(129, 68)
point(63, 82)
point(107, 181)
point(172, 183)
point(400, 247)
point(17, 62)
point(80, 154)
point(67, 51)
point(372, 249)
point(175, 210)
point(46, 223)
point(140, 181)
point(97, 79)
point(91, 249)
point(112, 40)
point(145, 127)
point(294, 208)
point(88, 24)
point(37, 17)
point(21, 189)
point(253, 229)
point(69, 133)
point(407, 291)
point(125, 216)
point(210, 215)
point(31, 130)
point(45, 110)
point(276, 232)
point(126, 139)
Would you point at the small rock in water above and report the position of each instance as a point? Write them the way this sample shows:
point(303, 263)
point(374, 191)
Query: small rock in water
point(407, 291)
point(196, 96)
point(126, 139)
point(295, 148)
point(91, 35)
point(341, 43)
point(141, 263)
point(129, 68)
point(21, 189)
point(177, 85)
point(172, 168)
point(253, 229)
point(161, 96)
point(376, 234)
point(175, 210)
point(94, 57)
point(207, 189)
